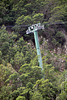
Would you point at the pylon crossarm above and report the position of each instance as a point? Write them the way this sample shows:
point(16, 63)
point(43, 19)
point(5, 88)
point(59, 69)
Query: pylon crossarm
point(34, 27)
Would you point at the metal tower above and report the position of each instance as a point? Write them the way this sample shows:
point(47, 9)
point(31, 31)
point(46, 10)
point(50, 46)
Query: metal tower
point(34, 29)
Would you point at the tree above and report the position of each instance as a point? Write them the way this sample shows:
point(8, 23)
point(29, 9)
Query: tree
point(20, 98)
point(46, 88)
point(37, 96)
point(29, 74)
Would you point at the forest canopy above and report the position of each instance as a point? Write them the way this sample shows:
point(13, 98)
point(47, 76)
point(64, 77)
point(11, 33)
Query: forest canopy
point(21, 77)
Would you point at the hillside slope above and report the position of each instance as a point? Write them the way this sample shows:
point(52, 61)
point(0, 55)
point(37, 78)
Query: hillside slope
point(21, 78)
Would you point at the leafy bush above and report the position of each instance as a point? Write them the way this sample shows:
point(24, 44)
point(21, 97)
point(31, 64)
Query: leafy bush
point(20, 98)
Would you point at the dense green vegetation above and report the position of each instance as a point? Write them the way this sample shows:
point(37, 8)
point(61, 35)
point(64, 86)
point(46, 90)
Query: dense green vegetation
point(27, 12)
point(20, 76)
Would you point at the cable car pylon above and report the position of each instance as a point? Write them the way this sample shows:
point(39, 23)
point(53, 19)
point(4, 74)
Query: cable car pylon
point(34, 29)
